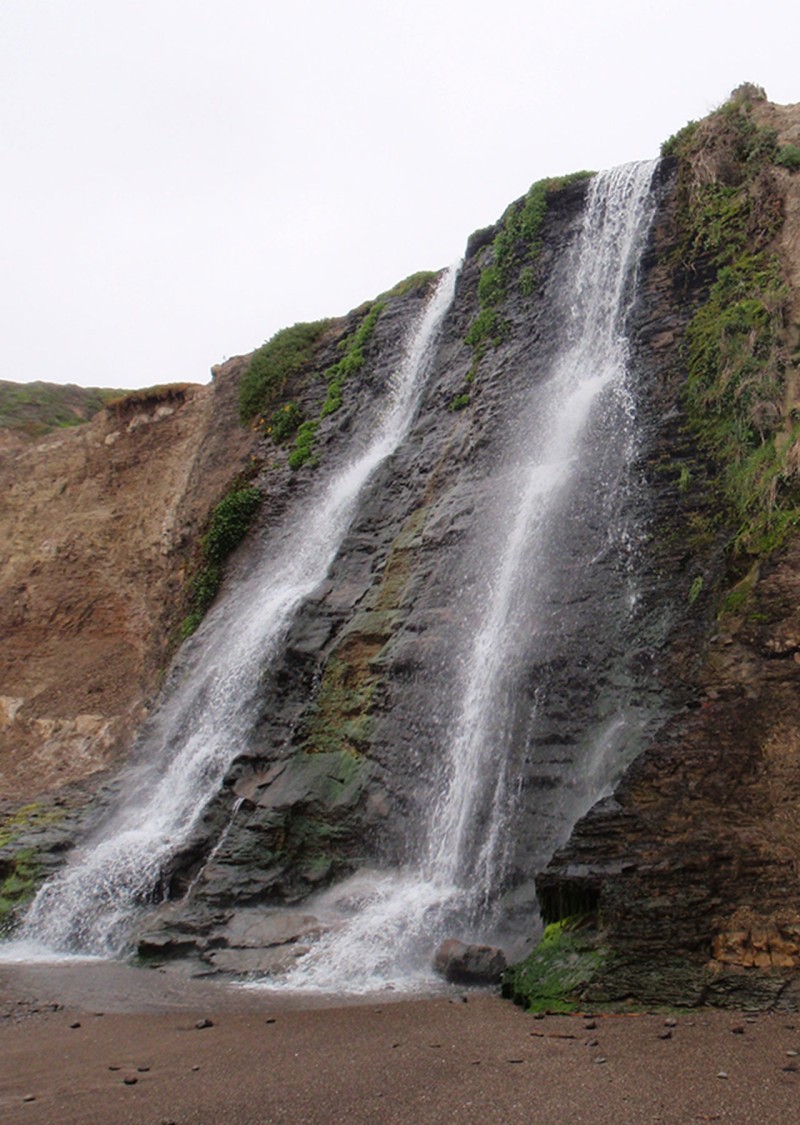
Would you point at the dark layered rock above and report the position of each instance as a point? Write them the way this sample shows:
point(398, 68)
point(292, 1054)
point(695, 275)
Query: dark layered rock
point(693, 860)
point(689, 869)
point(358, 709)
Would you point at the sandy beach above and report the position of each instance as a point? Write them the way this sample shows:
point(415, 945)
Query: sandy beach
point(131, 1053)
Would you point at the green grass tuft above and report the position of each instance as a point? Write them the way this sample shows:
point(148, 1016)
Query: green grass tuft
point(227, 526)
point(288, 353)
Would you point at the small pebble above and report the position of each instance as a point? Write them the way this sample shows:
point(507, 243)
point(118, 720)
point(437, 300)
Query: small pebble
point(204, 1023)
point(29, 1098)
point(538, 1015)
point(195, 1068)
point(600, 1059)
point(590, 1025)
point(592, 1042)
point(738, 1029)
point(722, 1074)
point(792, 1054)
point(751, 1019)
point(665, 1034)
point(143, 1069)
point(75, 1024)
point(670, 1022)
point(130, 1079)
point(115, 1068)
point(790, 1067)
point(515, 1060)
point(270, 1020)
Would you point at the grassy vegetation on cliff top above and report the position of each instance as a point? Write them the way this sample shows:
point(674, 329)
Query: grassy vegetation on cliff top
point(283, 367)
point(741, 368)
point(514, 254)
point(37, 408)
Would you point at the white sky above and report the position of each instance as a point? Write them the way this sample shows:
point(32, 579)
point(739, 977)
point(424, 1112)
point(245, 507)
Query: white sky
point(181, 178)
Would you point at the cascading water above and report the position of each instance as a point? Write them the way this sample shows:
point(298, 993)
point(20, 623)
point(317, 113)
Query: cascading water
point(206, 716)
point(588, 378)
point(399, 916)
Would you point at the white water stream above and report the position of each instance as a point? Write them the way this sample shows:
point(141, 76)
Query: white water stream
point(206, 716)
point(386, 924)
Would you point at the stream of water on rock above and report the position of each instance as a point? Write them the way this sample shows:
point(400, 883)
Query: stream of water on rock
point(385, 925)
point(206, 712)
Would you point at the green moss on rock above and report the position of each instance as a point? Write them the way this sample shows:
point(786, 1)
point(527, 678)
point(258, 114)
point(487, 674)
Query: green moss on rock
point(19, 875)
point(514, 252)
point(555, 975)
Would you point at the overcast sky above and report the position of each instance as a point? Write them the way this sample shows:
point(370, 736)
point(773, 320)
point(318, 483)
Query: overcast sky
point(184, 177)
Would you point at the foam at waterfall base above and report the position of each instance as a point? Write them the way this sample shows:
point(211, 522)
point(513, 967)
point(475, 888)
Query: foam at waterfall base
point(382, 930)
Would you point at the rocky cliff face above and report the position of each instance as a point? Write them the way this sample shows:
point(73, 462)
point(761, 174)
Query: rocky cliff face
point(686, 875)
point(690, 868)
point(349, 747)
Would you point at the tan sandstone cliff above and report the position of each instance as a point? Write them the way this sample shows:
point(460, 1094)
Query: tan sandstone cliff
point(96, 526)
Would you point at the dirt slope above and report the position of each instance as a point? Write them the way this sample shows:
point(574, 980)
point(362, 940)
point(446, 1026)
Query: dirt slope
point(96, 524)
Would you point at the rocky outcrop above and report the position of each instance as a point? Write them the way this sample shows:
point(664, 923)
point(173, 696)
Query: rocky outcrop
point(690, 868)
point(693, 861)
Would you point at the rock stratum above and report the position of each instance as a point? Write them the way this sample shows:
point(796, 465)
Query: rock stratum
point(679, 886)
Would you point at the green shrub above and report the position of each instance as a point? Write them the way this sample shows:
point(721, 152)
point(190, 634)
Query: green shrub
point(482, 328)
point(695, 589)
point(286, 354)
point(676, 144)
point(36, 408)
point(229, 522)
point(284, 422)
point(227, 527)
point(419, 280)
point(351, 362)
point(458, 402)
point(789, 157)
point(527, 281)
point(303, 444)
point(490, 287)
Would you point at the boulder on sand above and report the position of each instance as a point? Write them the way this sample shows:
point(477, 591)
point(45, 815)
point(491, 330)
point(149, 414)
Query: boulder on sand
point(469, 964)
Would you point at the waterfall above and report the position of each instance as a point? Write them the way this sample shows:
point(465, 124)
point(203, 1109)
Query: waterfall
point(204, 719)
point(589, 378)
point(582, 413)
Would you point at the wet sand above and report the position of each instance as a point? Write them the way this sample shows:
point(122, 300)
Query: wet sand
point(469, 1058)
